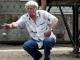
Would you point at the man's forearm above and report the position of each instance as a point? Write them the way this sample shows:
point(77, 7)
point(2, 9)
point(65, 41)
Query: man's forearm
point(54, 22)
point(13, 25)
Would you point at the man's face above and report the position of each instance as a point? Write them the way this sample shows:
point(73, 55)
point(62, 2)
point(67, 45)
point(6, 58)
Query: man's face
point(31, 10)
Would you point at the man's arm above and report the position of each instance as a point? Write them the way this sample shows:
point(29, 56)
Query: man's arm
point(14, 25)
point(11, 25)
point(53, 24)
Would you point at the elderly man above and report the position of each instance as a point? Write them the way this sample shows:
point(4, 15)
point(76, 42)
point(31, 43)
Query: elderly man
point(40, 25)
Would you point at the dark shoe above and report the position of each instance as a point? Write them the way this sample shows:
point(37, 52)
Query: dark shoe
point(40, 55)
point(47, 59)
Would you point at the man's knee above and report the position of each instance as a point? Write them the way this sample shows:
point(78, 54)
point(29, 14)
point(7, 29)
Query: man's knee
point(46, 40)
point(25, 46)
point(50, 41)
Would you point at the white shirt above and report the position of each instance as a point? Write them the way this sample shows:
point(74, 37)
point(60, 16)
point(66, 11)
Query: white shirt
point(36, 31)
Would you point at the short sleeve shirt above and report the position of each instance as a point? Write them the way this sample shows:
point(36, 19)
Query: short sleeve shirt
point(43, 22)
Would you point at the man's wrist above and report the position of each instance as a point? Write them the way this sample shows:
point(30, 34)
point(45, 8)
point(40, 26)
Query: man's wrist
point(10, 25)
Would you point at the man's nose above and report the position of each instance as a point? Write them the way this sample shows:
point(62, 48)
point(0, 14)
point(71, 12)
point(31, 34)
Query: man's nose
point(29, 9)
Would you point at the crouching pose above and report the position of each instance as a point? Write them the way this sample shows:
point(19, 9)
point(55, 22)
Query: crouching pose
point(40, 25)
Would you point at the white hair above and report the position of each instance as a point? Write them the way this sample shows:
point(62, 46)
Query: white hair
point(32, 3)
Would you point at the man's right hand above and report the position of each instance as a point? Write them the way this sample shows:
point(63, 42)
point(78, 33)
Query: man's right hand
point(6, 26)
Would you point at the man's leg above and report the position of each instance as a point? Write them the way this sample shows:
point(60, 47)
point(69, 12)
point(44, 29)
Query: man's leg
point(43, 4)
point(48, 43)
point(36, 1)
point(32, 48)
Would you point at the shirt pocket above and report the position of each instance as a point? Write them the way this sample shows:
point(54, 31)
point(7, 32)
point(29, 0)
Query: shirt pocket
point(42, 27)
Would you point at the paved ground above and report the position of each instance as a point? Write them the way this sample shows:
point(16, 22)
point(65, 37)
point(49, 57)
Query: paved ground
point(16, 52)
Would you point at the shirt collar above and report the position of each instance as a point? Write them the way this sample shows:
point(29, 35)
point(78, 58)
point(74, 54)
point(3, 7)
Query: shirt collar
point(37, 14)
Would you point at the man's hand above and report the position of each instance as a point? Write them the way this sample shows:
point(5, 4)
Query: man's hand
point(6, 26)
point(47, 33)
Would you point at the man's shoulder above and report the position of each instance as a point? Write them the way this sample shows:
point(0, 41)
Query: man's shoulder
point(40, 10)
point(25, 15)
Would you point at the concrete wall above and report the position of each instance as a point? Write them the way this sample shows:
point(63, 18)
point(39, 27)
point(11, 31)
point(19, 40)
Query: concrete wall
point(14, 35)
point(21, 35)
point(17, 7)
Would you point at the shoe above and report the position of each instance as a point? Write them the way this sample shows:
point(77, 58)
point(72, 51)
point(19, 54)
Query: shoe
point(47, 59)
point(40, 55)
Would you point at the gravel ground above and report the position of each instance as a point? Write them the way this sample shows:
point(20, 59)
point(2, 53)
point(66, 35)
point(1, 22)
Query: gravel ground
point(16, 52)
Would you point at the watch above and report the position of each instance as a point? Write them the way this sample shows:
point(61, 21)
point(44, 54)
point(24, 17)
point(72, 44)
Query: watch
point(51, 29)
